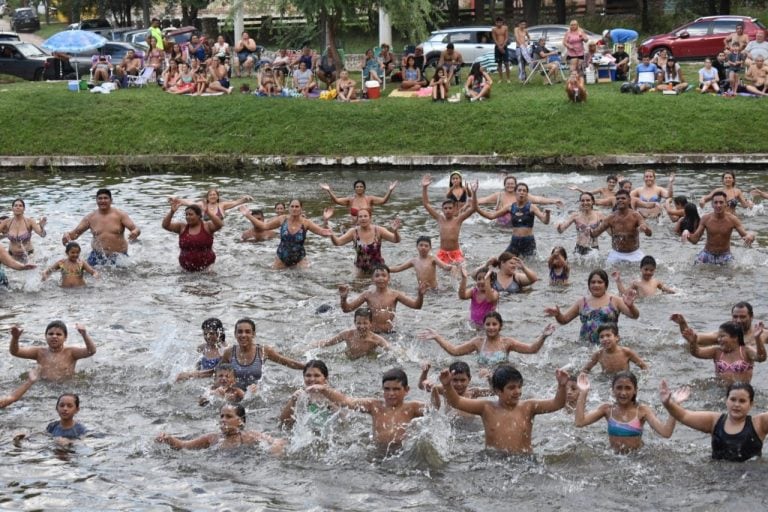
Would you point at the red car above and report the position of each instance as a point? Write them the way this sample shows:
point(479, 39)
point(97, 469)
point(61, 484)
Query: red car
point(700, 38)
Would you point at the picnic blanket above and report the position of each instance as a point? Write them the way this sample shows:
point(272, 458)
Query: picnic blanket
point(424, 92)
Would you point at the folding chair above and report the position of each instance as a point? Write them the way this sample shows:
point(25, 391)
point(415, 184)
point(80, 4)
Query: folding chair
point(142, 79)
point(95, 61)
point(539, 67)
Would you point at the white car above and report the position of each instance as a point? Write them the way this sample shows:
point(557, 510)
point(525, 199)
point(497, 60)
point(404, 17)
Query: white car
point(470, 42)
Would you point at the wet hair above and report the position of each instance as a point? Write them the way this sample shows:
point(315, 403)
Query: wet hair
point(573, 378)
point(459, 367)
point(19, 200)
point(73, 395)
point(521, 184)
point(366, 312)
point(719, 193)
point(608, 326)
point(195, 208)
point(743, 304)
point(360, 182)
point(622, 192)
point(503, 375)
point(741, 385)
point(224, 367)
point(451, 202)
point(424, 238)
point(316, 363)
point(449, 46)
point(395, 374)
point(297, 200)
point(602, 274)
point(611, 177)
point(585, 193)
point(246, 321)
point(680, 201)
point(380, 266)
point(214, 324)
point(239, 410)
point(648, 260)
point(503, 257)
point(104, 191)
point(480, 273)
point(71, 245)
point(691, 218)
point(496, 315)
point(57, 324)
point(510, 178)
point(626, 375)
point(559, 249)
point(733, 175)
point(476, 70)
point(280, 204)
point(256, 212)
point(734, 330)
point(622, 183)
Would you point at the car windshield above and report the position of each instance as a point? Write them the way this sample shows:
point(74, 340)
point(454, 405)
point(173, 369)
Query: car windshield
point(30, 50)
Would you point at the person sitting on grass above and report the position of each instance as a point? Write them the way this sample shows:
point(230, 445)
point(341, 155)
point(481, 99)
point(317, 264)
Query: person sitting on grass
point(451, 61)
point(645, 76)
point(345, 87)
point(326, 68)
point(439, 85)
point(412, 80)
point(478, 86)
point(268, 84)
point(218, 75)
point(708, 78)
point(304, 80)
point(673, 77)
point(170, 76)
point(575, 88)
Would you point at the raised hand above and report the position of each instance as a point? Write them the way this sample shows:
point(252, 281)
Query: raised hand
point(582, 382)
point(343, 290)
point(325, 187)
point(553, 311)
point(629, 297)
point(16, 331)
point(678, 318)
point(327, 213)
point(549, 329)
point(445, 378)
point(427, 334)
point(426, 180)
point(395, 224)
point(393, 185)
point(681, 395)
point(80, 328)
point(562, 377)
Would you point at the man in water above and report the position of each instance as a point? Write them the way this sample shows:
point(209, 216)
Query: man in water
point(741, 313)
point(108, 225)
point(625, 225)
point(719, 225)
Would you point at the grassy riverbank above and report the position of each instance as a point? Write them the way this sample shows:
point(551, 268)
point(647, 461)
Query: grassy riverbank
point(535, 120)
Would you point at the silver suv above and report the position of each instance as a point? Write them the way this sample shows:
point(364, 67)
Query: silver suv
point(470, 42)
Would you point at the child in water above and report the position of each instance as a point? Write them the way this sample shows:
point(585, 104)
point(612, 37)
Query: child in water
point(625, 417)
point(391, 414)
point(215, 343)
point(225, 385)
point(460, 379)
point(647, 285)
point(56, 361)
point(232, 435)
point(612, 357)
point(66, 428)
point(318, 408)
point(484, 298)
point(559, 269)
point(361, 340)
point(425, 264)
point(72, 268)
point(508, 422)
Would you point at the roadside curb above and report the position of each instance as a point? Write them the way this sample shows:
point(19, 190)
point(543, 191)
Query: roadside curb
point(224, 161)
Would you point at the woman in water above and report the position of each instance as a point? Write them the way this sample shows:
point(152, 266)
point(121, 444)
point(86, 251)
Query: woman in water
point(733, 195)
point(195, 236)
point(18, 230)
point(367, 238)
point(736, 436)
point(457, 190)
point(492, 348)
point(293, 233)
point(503, 199)
point(213, 205)
point(232, 434)
point(626, 418)
point(359, 200)
point(523, 213)
point(599, 308)
point(584, 220)
point(652, 193)
point(318, 408)
point(513, 274)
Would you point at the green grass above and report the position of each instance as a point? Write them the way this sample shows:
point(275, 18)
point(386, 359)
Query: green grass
point(47, 31)
point(535, 120)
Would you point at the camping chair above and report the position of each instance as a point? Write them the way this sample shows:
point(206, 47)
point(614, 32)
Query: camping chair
point(95, 60)
point(631, 50)
point(539, 66)
point(142, 79)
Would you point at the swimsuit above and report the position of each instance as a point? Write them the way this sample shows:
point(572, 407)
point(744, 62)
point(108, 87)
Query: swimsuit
point(353, 211)
point(461, 199)
point(617, 428)
point(102, 258)
point(448, 257)
point(592, 318)
point(738, 366)
point(491, 358)
point(478, 310)
point(368, 255)
point(522, 245)
point(72, 272)
point(512, 287)
point(291, 249)
point(247, 373)
point(506, 219)
point(196, 250)
point(616, 256)
point(714, 259)
point(56, 430)
point(561, 278)
point(208, 363)
point(735, 447)
point(19, 238)
point(3, 278)
point(522, 218)
point(219, 213)
point(584, 229)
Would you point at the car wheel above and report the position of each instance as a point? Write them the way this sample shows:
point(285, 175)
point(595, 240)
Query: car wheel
point(658, 50)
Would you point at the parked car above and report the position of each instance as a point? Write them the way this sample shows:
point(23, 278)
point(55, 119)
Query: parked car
point(700, 38)
point(137, 38)
point(25, 18)
point(470, 42)
point(181, 35)
point(29, 62)
point(3, 8)
point(92, 24)
point(9, 36)
point(554, 35)
point(115, 49)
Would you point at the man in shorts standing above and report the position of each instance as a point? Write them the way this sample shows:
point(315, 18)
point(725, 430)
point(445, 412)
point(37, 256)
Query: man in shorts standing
point(625, 225)
point(719, 225)
point(500, 33)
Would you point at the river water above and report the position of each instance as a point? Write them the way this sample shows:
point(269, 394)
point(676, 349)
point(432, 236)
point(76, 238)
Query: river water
point(145, 318)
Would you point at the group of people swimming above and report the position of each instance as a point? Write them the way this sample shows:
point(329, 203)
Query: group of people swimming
point(237, 369)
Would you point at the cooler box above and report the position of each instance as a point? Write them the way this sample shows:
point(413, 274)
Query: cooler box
point(73, 85)
point(374, 89)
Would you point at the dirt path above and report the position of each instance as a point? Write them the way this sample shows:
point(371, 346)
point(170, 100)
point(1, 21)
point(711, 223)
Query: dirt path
point(5, 25)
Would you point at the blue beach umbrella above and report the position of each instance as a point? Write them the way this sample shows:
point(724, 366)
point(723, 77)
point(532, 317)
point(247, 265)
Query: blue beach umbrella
point(74, 41)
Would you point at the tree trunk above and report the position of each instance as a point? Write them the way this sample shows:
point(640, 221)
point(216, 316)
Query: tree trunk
point(531, 10)
point(645, 19)
point(480, 12)
point(453, 12)
point(333, 22)
point(590, 7)
point(509, 11)
point(711, 7)
point(560, 12)
point(145, 7)
point(185, 15)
